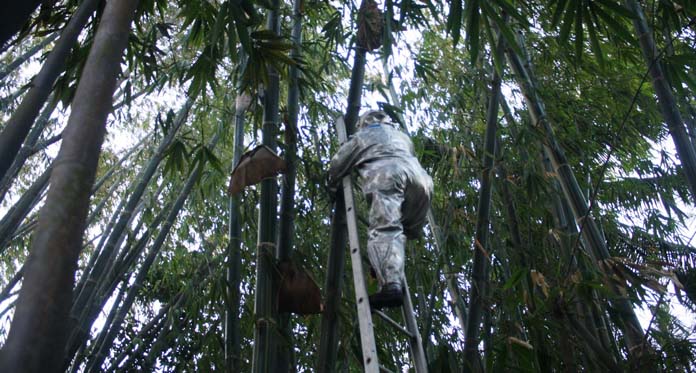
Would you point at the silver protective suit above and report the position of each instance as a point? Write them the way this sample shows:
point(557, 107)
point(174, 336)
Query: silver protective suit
point(396, 187)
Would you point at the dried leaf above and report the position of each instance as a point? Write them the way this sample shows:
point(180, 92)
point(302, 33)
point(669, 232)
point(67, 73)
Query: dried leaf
point(539, 280)
point(519, 342)
point(478, 245)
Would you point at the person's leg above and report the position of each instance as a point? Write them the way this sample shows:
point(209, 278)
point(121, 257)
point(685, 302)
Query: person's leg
point(385, 246)
point(414, 210)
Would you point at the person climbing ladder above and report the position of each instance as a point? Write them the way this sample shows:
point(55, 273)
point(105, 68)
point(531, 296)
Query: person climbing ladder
point(398, 191)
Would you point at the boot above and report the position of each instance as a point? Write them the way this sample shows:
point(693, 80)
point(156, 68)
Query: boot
point(390, 296)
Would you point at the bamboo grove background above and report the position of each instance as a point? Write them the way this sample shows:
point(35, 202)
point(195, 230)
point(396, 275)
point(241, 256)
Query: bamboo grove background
point(560, 135)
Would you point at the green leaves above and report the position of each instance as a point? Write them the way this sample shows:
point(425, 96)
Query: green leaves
point(204, 155)
point(217, 31)
point(177, 156)
point(472, 29)
point(490, 14)
point(603, 20)
point(680, 68)
point(454, 20)
point(267, 49)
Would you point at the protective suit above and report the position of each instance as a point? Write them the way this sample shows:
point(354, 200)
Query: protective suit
point(396, 187)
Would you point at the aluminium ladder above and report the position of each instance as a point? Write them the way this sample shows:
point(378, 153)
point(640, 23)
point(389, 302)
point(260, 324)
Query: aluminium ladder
point(367, 336)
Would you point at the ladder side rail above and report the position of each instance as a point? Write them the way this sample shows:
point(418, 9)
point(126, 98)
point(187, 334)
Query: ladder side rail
point(367, 337)
point(415, 341)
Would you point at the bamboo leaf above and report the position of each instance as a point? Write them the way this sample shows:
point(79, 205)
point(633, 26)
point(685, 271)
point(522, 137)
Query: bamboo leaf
point(683, 60)
point(394, 112)
point(616, 8)
point(618, 28)
point(515, 278)
point(454, 20)
point(176, 156)
point(472, 30)
point(220, 19)
point(560, 8)
point(579, 35)
point(594, 40)
point(498, 58)
point(242, 33)
point(503, 26)
point(213, 160)
point(513, 12)
point(567, 23)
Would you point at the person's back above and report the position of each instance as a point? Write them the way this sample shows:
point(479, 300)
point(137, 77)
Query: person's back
point(398, 191)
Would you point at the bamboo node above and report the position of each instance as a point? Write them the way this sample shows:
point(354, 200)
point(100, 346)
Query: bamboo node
point(266, 244)
point(265, 321)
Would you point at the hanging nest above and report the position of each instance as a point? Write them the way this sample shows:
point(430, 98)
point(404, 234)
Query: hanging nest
point(255, 165)
point(297, 291)
point(370, 25)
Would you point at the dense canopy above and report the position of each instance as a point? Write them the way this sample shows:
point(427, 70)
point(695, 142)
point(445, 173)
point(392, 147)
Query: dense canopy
point(560, 135)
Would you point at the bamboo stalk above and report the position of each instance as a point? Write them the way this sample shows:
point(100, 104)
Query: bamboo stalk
point(11, 221)
point(99, 346)
point(26, 150)
point(665, 97)
point(333, 286)
point(284, 353)
point(18, 126)
point(234, 266)
point(266, 317)
point(155, 249)
point(5, 294)
point(12, 66)
point(39, 329)
point(149, 328)
point(126, 260)
point(339, 235)
point(201, 276)
point(593, 344)
point(479, 278)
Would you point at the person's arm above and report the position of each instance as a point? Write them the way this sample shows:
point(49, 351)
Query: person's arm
point(343, 160)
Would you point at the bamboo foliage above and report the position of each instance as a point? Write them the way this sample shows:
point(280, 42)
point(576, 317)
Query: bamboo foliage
point(86, 305)
point(590, 231)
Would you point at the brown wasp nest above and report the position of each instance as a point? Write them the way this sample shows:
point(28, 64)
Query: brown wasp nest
point(370, 25)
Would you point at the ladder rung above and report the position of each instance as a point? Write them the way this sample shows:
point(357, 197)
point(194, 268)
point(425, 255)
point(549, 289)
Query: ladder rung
point(383, 369)
point(393, 323)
